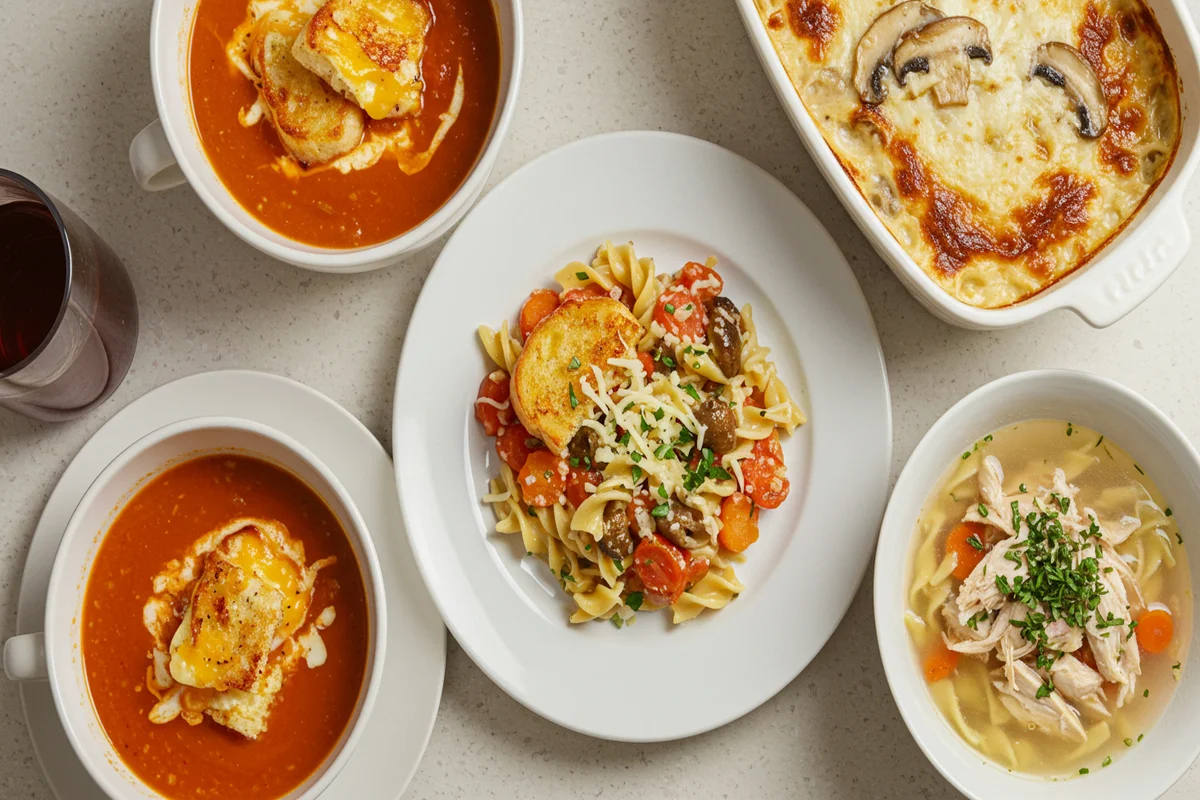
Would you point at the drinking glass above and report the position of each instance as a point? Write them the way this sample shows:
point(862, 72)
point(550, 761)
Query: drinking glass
point(68, 313)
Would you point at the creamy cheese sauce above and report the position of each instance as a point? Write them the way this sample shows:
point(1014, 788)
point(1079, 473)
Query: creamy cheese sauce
point(1001, 197)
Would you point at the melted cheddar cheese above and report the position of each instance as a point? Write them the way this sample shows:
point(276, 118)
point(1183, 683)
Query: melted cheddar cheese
point(998, 198)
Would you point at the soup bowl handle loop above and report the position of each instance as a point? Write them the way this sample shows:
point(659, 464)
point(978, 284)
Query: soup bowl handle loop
point(25, 657)
point(152, 160)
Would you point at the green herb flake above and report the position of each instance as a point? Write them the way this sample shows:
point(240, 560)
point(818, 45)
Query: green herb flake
point(1083, 770)
point(973, 540)
point(634, 600)
point(1128, 742)
point(1022, 489)
point(987, 438)
point(1168, 511)
point(1099, 442)
point(1139, 469)
point(636, 472)
point(660, 510)
point(966, 456)
point(691, 390)
point(635, 457)
point(1146, 693)
point(662, 491)
point(575, 363)
point(1107, 760)
point(583, 276)
point(1141, 736)
point(617, 622)
point(659, 414)
point(983, 512)
point(571, 395)
point(1070, 429)
point(529, 510)
point(669, 308)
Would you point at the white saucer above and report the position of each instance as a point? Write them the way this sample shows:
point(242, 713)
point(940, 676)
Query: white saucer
point(390, 750)
point(678, 199)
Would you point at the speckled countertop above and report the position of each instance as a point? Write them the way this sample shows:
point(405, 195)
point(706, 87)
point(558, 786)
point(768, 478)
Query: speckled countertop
point(77, 89)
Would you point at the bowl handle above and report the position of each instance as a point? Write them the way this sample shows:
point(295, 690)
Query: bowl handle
point(25, 657)
point(153, 163)
point(1137, 267)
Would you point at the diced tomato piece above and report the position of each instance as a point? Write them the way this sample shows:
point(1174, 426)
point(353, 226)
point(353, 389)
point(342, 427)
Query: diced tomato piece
point(710, 283)
point(962, 540)
point(539, 305)
point(662, 568)
point(492, 408)
point(641, 501)
point(681, 314)
point(619, 292)
point(577, 481)
point(514, 445)
point(697, 568)
point(755, 399)
point(739, 522)
point(543, 478)
point(765, 474)
point(647, 364)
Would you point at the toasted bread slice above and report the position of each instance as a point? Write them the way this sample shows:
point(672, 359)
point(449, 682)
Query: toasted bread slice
point(593, 331)
point(315, 124)
point(370, 51)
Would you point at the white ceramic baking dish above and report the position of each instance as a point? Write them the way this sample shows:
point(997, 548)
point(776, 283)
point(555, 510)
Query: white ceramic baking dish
point(1123, 274)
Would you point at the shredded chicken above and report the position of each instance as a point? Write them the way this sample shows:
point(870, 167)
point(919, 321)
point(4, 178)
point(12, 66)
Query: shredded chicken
point(1051, 713)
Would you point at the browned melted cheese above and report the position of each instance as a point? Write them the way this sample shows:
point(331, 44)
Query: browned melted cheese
point(997, 199)
point(814, 21)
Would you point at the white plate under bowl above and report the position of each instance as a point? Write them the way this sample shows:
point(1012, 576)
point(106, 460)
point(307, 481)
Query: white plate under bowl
point(391, 746)
point(1160, 448)
point(677, 199)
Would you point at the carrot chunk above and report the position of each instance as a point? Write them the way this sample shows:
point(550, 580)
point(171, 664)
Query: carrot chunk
point(1154, 630)
point(940, 663)
point(967, 541)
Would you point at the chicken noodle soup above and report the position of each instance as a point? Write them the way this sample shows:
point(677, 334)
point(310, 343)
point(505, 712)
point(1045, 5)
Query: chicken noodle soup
point(1050, 602)
point(225, 631)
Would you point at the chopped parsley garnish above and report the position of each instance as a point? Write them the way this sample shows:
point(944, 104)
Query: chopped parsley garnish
point(637, 474)
point(668, 361)
point(966, 456)
point(575, 363)
point(634, 600)
point(1022, 489)
point(973, 540)
point(987, 438)
point(624, 440)
point(1070, 429)
point(1099, 442)
point(617, 622)
point(565, 574)
point(659, 413)
point(1168, 511)
point(660, 510)
point(686, 436)
point(574, 461)
point(571, 394)
point(688, 307)
point(628, 406)
point(547, 474)
point(581, 275)
point(645, 426)
point(620, 566)
point(1045, 690)
point(669, 308)
point(529, 510)
point(1141, 736)
point(983, 512)
point(664, 452)
point(1083, 770)
point(662, 491)
point(691, 390)
point(1146, 693)
point(1139, 469)
point(1128, 742)
point(1107, 760)
point(635, 457)
point(1176, 665)
point(587, 547)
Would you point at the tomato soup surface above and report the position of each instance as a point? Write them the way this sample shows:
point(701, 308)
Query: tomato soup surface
point(315, 705)
point(367, 206)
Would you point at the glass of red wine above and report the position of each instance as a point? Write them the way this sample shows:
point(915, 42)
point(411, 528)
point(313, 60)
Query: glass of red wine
point(68, 314)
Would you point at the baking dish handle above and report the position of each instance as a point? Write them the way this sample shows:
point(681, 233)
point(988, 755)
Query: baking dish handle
point(1136, 268)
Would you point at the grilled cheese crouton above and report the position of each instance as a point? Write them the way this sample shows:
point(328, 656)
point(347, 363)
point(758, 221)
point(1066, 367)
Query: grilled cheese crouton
point(370, 51)
point(591, 330)
point(315, 124)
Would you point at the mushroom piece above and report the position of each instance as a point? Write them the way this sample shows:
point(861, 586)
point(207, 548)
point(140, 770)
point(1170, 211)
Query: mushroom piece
point(1062, 65)
point(943, 49)
point(873, 57)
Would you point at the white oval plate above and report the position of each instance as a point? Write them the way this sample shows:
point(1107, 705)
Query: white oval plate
point(677, 199)
point(394, 739)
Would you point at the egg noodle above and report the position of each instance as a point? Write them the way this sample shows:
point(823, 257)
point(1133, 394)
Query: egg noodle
point(652, 452)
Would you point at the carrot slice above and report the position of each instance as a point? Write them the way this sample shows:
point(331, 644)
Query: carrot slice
point(963, 540)
point(543, 478)
point(739, 523)
point(1154, 630)
point(940, 663)
point(541, 304)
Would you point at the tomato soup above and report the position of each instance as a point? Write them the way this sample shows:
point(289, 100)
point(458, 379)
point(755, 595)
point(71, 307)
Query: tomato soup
point(314, 706)
point(362, 207)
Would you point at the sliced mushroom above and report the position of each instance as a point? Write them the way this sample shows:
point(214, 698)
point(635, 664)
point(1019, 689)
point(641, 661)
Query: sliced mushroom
point(720, 425)
point(873, 58)
point(583, 446)
point(680, 522)
point(616, 542)
point(725, 335)
point(1061, 65)
point(943, 49)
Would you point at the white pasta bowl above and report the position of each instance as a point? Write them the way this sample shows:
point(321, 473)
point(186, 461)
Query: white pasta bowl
point(1120, 275)
point(1171, 746)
